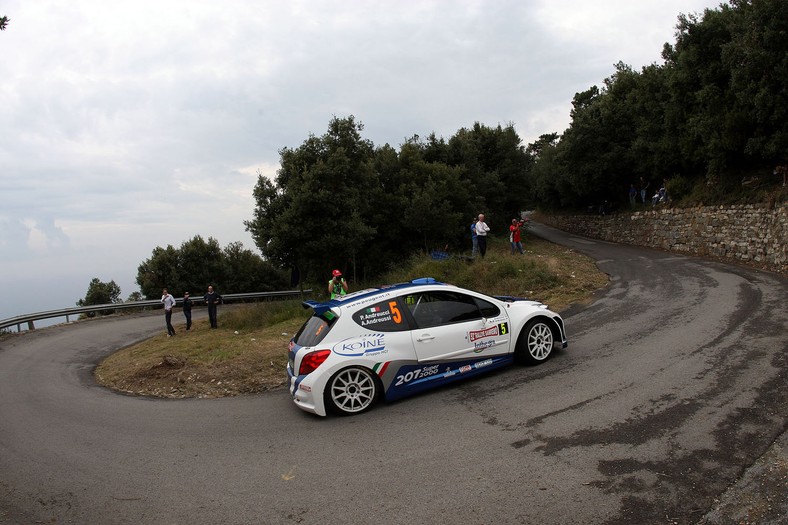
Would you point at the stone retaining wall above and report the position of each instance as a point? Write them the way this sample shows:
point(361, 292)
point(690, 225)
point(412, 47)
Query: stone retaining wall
point(750, 234)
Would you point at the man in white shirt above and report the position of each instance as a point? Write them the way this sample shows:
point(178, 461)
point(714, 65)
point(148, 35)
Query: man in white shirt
point(481, 235)
point(169, 301)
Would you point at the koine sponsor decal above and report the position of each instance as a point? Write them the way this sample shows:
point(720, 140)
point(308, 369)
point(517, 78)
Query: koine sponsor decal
point(499, 329)
point(371, 344)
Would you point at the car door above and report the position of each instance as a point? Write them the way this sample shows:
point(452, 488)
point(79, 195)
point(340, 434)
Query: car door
point(454, 325)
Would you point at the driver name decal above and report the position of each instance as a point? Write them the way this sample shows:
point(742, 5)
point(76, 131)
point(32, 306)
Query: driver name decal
point(375, 315)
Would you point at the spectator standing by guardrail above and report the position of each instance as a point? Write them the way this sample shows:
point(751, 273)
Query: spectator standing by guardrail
point(514, 236)
point(212, 299)
point(187, 310)
point(481, 235)
point(474, 239)
point(169, 302)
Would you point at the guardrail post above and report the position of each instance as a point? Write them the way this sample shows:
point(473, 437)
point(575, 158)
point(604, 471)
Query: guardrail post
point(30, 325)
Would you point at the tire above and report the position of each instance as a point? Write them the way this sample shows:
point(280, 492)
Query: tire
point(535, 343)
point(351, 391)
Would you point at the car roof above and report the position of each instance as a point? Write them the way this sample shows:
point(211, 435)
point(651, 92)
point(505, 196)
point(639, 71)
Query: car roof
point(351, 298)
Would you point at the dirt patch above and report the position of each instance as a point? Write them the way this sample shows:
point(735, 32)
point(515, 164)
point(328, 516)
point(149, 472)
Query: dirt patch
point(202, 363)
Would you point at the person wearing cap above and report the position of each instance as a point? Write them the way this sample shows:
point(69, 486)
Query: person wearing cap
point(337, 285)
point(169, 301)
point(187, 310)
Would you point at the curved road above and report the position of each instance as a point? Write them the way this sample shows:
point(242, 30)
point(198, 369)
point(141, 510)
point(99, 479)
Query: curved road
point(674, 384)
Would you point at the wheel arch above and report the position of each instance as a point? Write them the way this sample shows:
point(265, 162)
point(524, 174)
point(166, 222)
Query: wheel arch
point(379, 394)
point(555, 324)
point(522, 353)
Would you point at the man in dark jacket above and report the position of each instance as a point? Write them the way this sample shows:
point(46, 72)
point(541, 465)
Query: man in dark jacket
point(212, 299)
point(187, 310)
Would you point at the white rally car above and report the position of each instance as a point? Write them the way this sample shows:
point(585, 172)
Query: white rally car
point(394, 341)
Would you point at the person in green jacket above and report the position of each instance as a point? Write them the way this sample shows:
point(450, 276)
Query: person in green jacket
point(337, 285)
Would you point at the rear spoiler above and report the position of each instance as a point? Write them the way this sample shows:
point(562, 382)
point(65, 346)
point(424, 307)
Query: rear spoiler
point(509, 298)
point(319, 308)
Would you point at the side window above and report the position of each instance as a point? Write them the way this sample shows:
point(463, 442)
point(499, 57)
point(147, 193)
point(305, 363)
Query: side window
point(487, 309)
point(440, 308)
point(385, 316)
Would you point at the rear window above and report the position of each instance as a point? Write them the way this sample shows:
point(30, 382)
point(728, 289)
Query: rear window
point(315, 329)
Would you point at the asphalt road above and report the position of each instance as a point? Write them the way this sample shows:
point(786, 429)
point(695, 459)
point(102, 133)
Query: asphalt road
point(672, 388)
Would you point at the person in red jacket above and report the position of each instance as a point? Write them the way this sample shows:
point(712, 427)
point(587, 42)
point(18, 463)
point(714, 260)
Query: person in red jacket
point(514, 236)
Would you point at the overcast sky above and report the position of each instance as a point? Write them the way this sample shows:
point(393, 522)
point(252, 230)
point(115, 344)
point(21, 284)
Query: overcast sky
point(126, 125)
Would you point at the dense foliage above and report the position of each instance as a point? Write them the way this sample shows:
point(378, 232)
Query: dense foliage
point(711, 119)
point(101, 293)
point(198, 263)
point(339, 202)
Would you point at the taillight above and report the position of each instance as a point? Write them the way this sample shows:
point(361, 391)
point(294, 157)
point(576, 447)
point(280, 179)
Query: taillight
point(312, 360)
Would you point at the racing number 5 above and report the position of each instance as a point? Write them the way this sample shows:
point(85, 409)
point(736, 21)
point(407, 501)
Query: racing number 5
point(396, 316)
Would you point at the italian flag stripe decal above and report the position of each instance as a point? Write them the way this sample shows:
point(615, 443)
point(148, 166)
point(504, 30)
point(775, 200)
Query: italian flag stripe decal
point(380, 368)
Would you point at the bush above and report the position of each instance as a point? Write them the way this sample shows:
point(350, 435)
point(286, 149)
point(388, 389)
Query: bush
point(257, 315)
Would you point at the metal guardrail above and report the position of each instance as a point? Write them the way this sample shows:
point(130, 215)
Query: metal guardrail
point(29, 319)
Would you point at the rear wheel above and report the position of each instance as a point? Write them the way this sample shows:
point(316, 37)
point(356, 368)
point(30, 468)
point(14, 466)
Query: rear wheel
point(535, 343)
point(351, 391)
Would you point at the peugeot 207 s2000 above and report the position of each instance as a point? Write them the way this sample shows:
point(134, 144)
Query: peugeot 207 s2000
point(394, 341)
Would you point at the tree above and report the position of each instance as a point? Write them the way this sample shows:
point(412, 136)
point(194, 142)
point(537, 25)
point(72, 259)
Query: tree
point(757, 56)
point(314, 218)
point(435, 214)
point(198, 263)
point(4, 22)
point(201, 263)
point(717, 109)
point(534, 149)
point(246, 271)
point(339, 202)
point(101, 293)
point(162, 270)
point(495, 167)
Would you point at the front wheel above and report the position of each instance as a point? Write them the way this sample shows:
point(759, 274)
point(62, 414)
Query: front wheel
point(351, 391)
point(535, 343)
